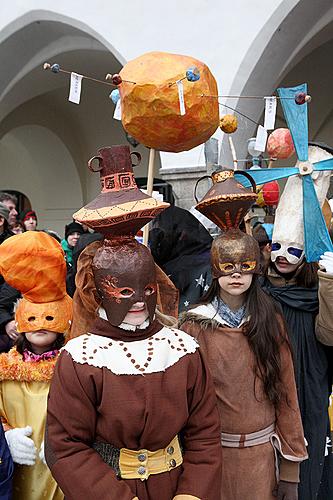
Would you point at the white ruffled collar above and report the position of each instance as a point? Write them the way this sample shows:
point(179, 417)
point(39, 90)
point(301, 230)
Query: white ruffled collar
point(151, 355)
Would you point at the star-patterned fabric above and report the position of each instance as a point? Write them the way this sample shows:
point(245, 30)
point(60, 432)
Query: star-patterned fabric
point(180, 245)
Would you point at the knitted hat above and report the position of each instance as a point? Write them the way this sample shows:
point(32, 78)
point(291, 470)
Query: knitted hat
point(34, 263)
point(26, 214)
point(73, 227)
point(4, 212)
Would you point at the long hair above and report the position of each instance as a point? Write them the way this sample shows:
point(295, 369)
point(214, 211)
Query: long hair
point(23, 343)
point(265, 336)
point(305, 275)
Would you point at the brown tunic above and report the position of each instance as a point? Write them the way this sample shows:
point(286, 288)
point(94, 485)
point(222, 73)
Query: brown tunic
point(248, 473)
point(88, 404)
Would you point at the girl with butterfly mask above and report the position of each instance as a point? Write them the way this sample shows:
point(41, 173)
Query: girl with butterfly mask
point(243, 336)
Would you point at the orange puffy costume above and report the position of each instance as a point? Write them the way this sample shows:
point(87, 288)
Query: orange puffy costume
point(33, 263)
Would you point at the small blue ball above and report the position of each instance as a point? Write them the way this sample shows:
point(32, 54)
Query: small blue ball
point(115, 96)
point(193, 74)
point(55, 68)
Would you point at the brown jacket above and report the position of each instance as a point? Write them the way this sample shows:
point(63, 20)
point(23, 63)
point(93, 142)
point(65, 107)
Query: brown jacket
point(88, 403)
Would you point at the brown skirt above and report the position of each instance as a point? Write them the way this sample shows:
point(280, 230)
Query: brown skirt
point(248, 473)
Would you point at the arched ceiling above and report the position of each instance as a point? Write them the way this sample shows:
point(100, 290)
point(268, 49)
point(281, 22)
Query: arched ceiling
point(42, 41)
point(294, 54)
point(31, 96)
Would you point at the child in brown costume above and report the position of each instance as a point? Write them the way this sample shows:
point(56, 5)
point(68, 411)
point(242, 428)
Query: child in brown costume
point(243, 338)
point(132, 410)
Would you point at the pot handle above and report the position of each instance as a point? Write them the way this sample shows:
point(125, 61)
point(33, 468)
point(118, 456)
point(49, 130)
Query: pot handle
point(249, 178)
point(100, 163)
point(138, 157)
point(196, 186)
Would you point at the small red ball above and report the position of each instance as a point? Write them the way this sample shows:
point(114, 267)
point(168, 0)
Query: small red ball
point(300, 98)
point(271, 193)
point(116, 79)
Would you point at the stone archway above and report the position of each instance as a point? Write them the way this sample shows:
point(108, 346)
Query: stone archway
point(34, 103)
point(294, 32)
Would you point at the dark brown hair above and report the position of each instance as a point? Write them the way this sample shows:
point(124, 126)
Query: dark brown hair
point(22, 343)
point(265, 336)
point(308, 275)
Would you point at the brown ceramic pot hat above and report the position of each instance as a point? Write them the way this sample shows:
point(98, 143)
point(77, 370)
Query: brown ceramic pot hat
point(121, 208)
point(227, 201)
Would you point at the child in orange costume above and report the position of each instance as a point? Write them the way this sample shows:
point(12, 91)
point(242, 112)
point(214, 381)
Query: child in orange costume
point(34, 264)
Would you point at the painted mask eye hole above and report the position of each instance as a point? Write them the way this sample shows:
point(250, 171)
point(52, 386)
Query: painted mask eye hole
point(275, 247)
point(49, 318)
point(295, 251)
point(149, 290)
point(31, 318)
point(126, 292)
point(227, 267)
point(248, 265)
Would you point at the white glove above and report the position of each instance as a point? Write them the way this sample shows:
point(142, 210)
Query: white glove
point(42, 453)
point(21, 447)
point(326, 262)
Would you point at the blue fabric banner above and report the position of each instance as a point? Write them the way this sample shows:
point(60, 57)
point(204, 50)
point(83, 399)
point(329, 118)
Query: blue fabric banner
point(296, 116)
point(316, 236)
point(261, 176)
point(323, 165)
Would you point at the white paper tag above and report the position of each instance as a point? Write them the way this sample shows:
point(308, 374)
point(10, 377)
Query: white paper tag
point(117, 110)
point(75, 88)
point(261, 138)
point(155, 194)
point(270, 112)
point(181, 97)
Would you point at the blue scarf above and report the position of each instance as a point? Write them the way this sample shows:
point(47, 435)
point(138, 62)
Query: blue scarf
point(232, 318)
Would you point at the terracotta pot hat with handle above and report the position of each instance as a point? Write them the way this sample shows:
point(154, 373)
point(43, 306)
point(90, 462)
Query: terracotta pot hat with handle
point(121, 208)
point(226, 204)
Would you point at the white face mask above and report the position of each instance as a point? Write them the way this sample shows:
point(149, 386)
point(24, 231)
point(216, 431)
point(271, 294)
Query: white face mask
point(288, 232)
point(290, 251)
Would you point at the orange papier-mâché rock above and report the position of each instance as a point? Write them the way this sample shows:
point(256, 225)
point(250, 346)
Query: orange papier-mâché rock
point(150, 106)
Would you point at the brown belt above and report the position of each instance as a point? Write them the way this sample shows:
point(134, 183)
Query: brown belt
point(244, 440)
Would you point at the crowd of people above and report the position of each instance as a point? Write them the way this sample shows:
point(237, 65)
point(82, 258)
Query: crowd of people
point(200, 369)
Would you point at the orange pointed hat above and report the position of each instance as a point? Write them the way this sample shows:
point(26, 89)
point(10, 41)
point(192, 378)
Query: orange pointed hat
point(34, 264)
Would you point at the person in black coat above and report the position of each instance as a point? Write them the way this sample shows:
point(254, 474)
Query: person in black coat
point(180, 245)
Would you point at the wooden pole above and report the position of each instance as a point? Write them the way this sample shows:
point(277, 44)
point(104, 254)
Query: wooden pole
point(150, 183)
point(248, 228)
point(233, 152)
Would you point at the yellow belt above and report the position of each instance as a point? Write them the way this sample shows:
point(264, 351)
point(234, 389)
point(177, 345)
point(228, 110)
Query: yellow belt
point(141, 464)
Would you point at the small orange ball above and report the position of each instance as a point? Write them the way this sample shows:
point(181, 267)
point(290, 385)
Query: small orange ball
point(228, 124)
